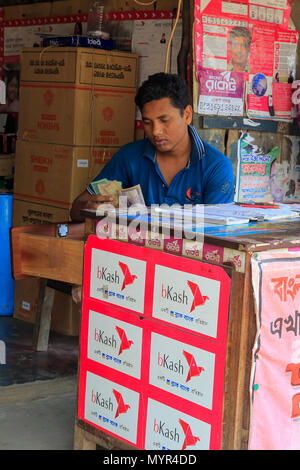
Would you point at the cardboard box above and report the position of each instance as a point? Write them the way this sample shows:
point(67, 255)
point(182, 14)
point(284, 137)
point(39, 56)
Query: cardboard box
point(65, 315)
point(7, 163)
point(82, 96)
point(26, 212)
point(55, 174)
point(26, 299)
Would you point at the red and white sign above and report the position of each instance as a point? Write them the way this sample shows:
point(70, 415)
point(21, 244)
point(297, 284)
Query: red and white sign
point(275, 413)
point(112, 407)
point(118, 279)
point(147, 362)
point(115, 343)
point(170, 429)
point(186, 300)
point(182, 369)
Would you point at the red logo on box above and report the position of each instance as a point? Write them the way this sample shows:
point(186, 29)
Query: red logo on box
point(48, 97)
point(108, 113)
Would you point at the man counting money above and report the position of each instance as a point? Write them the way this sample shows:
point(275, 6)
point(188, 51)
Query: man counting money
point(172, 165)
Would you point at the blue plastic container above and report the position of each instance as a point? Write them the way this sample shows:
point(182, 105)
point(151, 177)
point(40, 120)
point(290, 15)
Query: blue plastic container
point(6, 280)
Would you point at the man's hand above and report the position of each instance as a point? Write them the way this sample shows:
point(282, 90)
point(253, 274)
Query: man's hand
point(95, 199)
point(87, 201)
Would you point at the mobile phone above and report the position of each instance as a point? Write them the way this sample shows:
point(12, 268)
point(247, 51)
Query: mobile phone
point(270, 105)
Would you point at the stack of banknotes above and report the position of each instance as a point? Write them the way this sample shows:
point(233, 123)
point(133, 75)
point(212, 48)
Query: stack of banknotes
point(114, 189)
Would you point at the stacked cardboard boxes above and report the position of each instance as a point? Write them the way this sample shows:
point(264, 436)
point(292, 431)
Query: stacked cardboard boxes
point(76, 110)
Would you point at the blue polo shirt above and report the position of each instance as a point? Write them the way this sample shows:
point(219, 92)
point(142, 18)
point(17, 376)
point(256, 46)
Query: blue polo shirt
point(207, 178)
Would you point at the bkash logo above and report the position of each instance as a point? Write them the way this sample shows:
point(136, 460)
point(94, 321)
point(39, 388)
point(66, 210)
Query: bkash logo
point(125, 343)
point(122, 408)
point(190, 439)
point(199, 299)
point(160, 427)
point(114, 278)
point(194, 370)
point(168, 293)
point(128, 277)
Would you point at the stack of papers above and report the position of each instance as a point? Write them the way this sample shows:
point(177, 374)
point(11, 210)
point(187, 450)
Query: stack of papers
point(229, 214)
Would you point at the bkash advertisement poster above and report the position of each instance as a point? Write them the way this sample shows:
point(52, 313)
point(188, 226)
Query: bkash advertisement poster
point(275, 397)
point(151, 383)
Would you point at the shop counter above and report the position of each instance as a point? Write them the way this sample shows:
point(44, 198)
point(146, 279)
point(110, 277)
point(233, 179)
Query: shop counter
point(170, 358)
point(167, 358)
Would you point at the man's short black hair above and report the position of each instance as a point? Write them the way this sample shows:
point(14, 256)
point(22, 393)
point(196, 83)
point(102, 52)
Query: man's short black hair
point(163, 85)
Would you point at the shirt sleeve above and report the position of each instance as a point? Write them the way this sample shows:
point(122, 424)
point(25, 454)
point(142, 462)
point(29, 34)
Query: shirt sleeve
point(219, 185)
point(115, 169)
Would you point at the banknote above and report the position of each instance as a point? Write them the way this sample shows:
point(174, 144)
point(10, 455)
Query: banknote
point(134, 195)
point(106, 187)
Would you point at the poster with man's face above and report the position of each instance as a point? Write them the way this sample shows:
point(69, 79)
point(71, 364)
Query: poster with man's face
point(239, 42)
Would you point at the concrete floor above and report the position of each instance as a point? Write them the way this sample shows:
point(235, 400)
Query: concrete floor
point(38, 419)
point(38, 390)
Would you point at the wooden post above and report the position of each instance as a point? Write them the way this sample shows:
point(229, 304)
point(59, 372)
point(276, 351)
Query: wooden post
point(43, 317)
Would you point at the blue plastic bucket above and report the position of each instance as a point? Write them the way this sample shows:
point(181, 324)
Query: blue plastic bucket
point(6, 280)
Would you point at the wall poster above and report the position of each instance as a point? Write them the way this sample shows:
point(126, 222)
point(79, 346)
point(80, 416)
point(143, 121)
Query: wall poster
point(254, 40)
point(275, 383)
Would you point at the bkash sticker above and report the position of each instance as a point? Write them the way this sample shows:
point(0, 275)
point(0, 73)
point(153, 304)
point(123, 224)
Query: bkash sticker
point(111, 407)
point(186, 300)
point(118, 280)
point(170, 429)
point(115, 343)
point(182, 369)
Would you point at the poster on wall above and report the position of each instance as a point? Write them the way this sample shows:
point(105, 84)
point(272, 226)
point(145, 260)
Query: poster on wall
point(150, 42)
point(221, 93)
point(256, 165)
point(254, 40)
point(268, 169)
point(275, 381)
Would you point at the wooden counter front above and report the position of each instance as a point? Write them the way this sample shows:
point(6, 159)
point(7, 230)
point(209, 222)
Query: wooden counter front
point(241, 329)
point(39, 251)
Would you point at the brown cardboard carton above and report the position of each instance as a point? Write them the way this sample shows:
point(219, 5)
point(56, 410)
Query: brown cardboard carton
point(79, 66)
point(7, 162)
point(55, 174)
point(26, 212)
point(66, 116)
point(26, 299)
point(82, 96)
point(65, 315)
